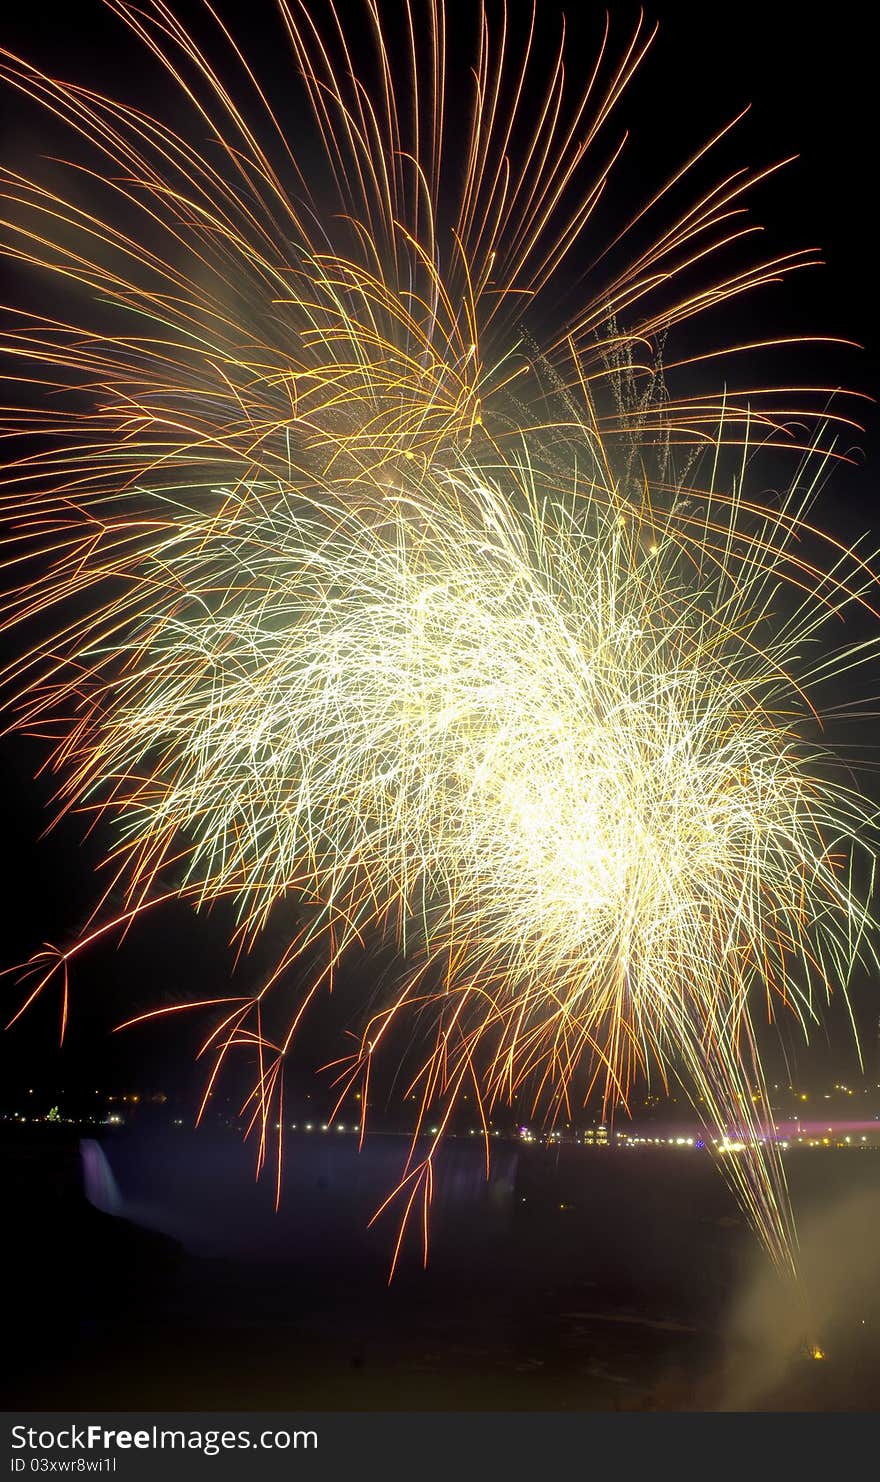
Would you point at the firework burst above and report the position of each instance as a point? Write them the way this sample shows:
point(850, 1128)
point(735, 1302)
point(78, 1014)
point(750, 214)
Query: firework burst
point(364, 606)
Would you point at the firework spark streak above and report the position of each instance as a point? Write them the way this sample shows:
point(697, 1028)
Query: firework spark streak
point(368, 608)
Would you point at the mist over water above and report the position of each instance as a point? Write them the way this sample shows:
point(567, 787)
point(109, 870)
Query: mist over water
point(835, 1308)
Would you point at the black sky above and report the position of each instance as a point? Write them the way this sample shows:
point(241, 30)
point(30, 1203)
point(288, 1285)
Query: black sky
point(810, 75)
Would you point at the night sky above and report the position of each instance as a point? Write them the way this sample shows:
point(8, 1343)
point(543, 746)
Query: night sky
point(811, 79)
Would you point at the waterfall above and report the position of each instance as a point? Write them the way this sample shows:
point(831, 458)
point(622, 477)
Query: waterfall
point(99, 1185)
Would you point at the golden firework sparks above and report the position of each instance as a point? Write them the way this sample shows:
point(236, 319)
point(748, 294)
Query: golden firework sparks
point(363, 599)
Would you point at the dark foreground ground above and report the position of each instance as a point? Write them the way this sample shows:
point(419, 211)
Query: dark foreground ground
point(582, 1279)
